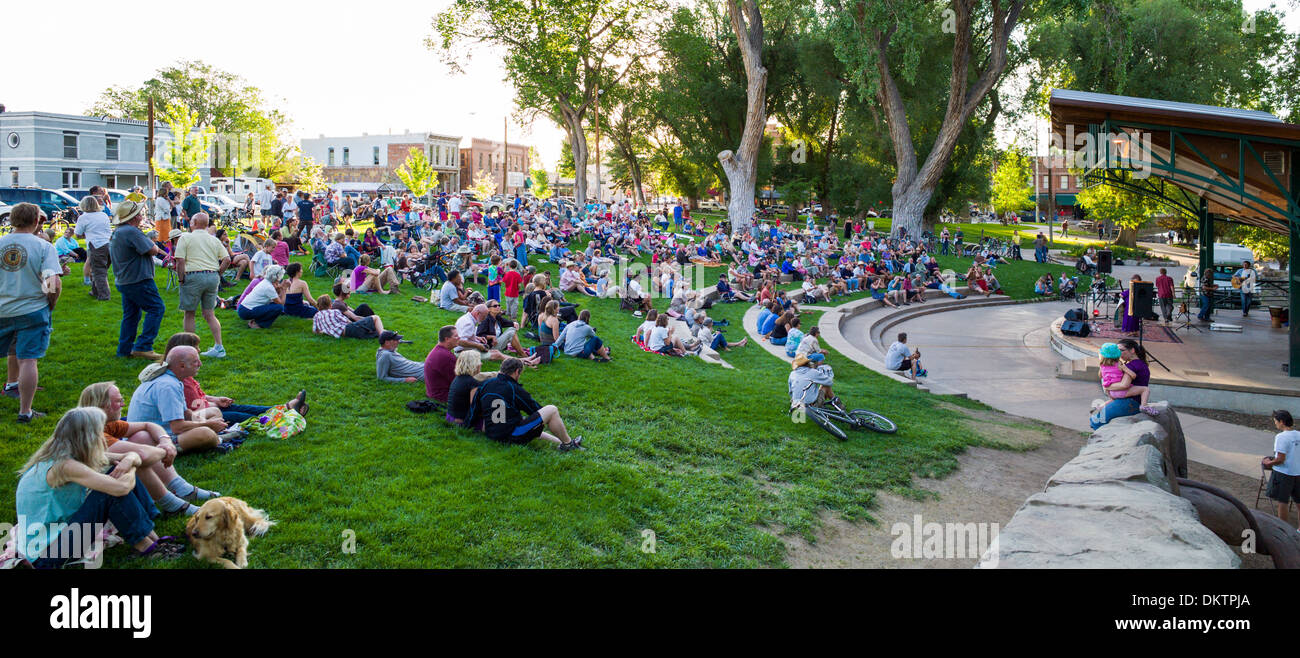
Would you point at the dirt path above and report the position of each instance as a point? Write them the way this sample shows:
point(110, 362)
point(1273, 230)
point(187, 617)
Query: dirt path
point(989, 486)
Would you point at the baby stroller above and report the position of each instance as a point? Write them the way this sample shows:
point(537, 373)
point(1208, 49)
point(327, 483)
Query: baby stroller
point(427, 274)
point(1068, 291)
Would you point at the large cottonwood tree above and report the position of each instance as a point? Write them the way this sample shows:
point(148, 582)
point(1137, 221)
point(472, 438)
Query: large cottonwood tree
point(558, 54)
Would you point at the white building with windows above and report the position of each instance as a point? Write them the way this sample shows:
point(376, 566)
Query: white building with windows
point(50, 150)
point(371, 159)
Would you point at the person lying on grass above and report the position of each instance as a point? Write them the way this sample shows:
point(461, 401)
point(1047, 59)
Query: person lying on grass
point(393, 367)
point(202, 405)
point(170, 492)
point(330, 321)
point(510, 415)
point(66, 483)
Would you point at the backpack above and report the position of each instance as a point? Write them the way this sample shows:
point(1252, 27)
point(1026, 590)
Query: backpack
point(318, 266)
point(425, 406)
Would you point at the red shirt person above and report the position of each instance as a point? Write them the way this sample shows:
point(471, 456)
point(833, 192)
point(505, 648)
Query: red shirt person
point(440, 365)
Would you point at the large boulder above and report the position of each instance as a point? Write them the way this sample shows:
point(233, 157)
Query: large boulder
point(1278, 540)
point(1108, 525)
point(1218, 514)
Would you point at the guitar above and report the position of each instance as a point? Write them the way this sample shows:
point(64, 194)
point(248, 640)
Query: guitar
point(1236, 282)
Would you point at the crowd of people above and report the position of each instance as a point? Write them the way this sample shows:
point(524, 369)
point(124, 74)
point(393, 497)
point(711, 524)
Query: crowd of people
point(124, 469)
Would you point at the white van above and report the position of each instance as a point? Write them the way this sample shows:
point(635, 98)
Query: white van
point(1227, 260)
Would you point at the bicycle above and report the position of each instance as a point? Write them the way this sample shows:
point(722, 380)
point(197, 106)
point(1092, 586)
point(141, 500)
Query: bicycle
point(830, 412)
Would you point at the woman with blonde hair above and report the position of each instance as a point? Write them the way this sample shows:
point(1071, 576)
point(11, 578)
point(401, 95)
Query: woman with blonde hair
point(66, 484)
point(171, 492)
point(460, 395)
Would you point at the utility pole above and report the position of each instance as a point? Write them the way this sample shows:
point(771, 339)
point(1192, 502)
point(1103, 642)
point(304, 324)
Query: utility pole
point(148, 151)
point(505, 155)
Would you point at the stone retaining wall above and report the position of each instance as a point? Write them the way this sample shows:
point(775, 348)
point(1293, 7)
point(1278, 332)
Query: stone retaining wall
point(1115, 505)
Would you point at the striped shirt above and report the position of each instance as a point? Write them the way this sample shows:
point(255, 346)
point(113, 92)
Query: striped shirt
point(330, 322)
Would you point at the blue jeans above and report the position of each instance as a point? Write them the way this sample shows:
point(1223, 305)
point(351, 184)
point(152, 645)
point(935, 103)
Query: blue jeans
point(719, 342)
point(138, 297)
point(1114, 409)
point(263, 315)
point(132, 515)
point(1245, 303)
point(1207, 308)
point(594, 343)
point(353, 254)
point(238, 413)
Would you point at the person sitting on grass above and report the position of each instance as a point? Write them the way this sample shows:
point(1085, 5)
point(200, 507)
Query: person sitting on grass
point(793, 338)
point(510, 415)
point(298, 290)
point(64, 484)
point(1043, 287)
point(330, 321)
point(579, 339)
point(714, 339)
point(368, 279)
point(453, 297)
point(810, 381)
point(662, 340)
point(265, 302)
point(342, 291)
point(498, 330)
point(170, 492)
point(897, 358)
point(202, 405)
point(393, 367)
point(460, 394)
point(161, 401)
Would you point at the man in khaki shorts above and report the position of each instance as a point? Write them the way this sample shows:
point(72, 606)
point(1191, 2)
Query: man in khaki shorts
point(200, 260)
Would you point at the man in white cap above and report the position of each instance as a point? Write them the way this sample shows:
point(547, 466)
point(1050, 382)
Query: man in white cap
point(133, 268)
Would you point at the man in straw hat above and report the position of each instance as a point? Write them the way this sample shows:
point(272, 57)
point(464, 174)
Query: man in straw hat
point(133, 268)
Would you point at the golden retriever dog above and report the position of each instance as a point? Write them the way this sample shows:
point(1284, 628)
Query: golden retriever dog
point(222, 527)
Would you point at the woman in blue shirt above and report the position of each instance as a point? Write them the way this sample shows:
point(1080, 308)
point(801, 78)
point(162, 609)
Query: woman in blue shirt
point(66, 494)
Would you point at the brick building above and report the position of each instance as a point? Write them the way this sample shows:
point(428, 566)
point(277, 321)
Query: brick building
point(1055, 179)
point(485, 155)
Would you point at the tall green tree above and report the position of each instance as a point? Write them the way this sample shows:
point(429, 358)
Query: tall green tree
point(1012, 185)
point(541, 181)
point(417, 173)
point(221, 101)
point(183, 156)
point(881, 44)
point(558, 54)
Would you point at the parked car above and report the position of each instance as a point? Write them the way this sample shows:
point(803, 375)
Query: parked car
point(50, 201)
point(221, 201)
point(710, 204)
point(115, 195)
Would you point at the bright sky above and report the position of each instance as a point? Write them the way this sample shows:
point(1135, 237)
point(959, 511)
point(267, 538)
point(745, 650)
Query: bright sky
point(335, 68)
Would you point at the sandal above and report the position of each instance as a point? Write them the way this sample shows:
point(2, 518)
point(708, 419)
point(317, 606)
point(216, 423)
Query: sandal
point(166, 548)
point(419, 299)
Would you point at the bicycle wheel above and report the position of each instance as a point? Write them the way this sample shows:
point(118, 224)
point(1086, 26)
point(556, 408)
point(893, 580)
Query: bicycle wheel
point(870, 420)
point(820, 417)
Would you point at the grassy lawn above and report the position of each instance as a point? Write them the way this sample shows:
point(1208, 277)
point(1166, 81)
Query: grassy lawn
point(704, 457)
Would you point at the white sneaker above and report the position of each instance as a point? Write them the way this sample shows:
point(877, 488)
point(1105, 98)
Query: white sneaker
point(217, 352)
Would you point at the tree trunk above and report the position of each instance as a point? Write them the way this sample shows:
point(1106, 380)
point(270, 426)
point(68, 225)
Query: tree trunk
point(741, 166)
point(909, 211)
point(577, 144)
point(1127, 237)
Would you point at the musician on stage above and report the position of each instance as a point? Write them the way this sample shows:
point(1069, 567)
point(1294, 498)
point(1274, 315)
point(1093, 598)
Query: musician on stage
point(1131, 321)
point(1208, 286)
point(1165, 294)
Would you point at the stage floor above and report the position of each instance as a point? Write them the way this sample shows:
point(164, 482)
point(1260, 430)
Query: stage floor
point(1252, 361)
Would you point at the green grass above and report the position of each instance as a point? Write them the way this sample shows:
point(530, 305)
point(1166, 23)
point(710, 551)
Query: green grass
point(705, 457)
